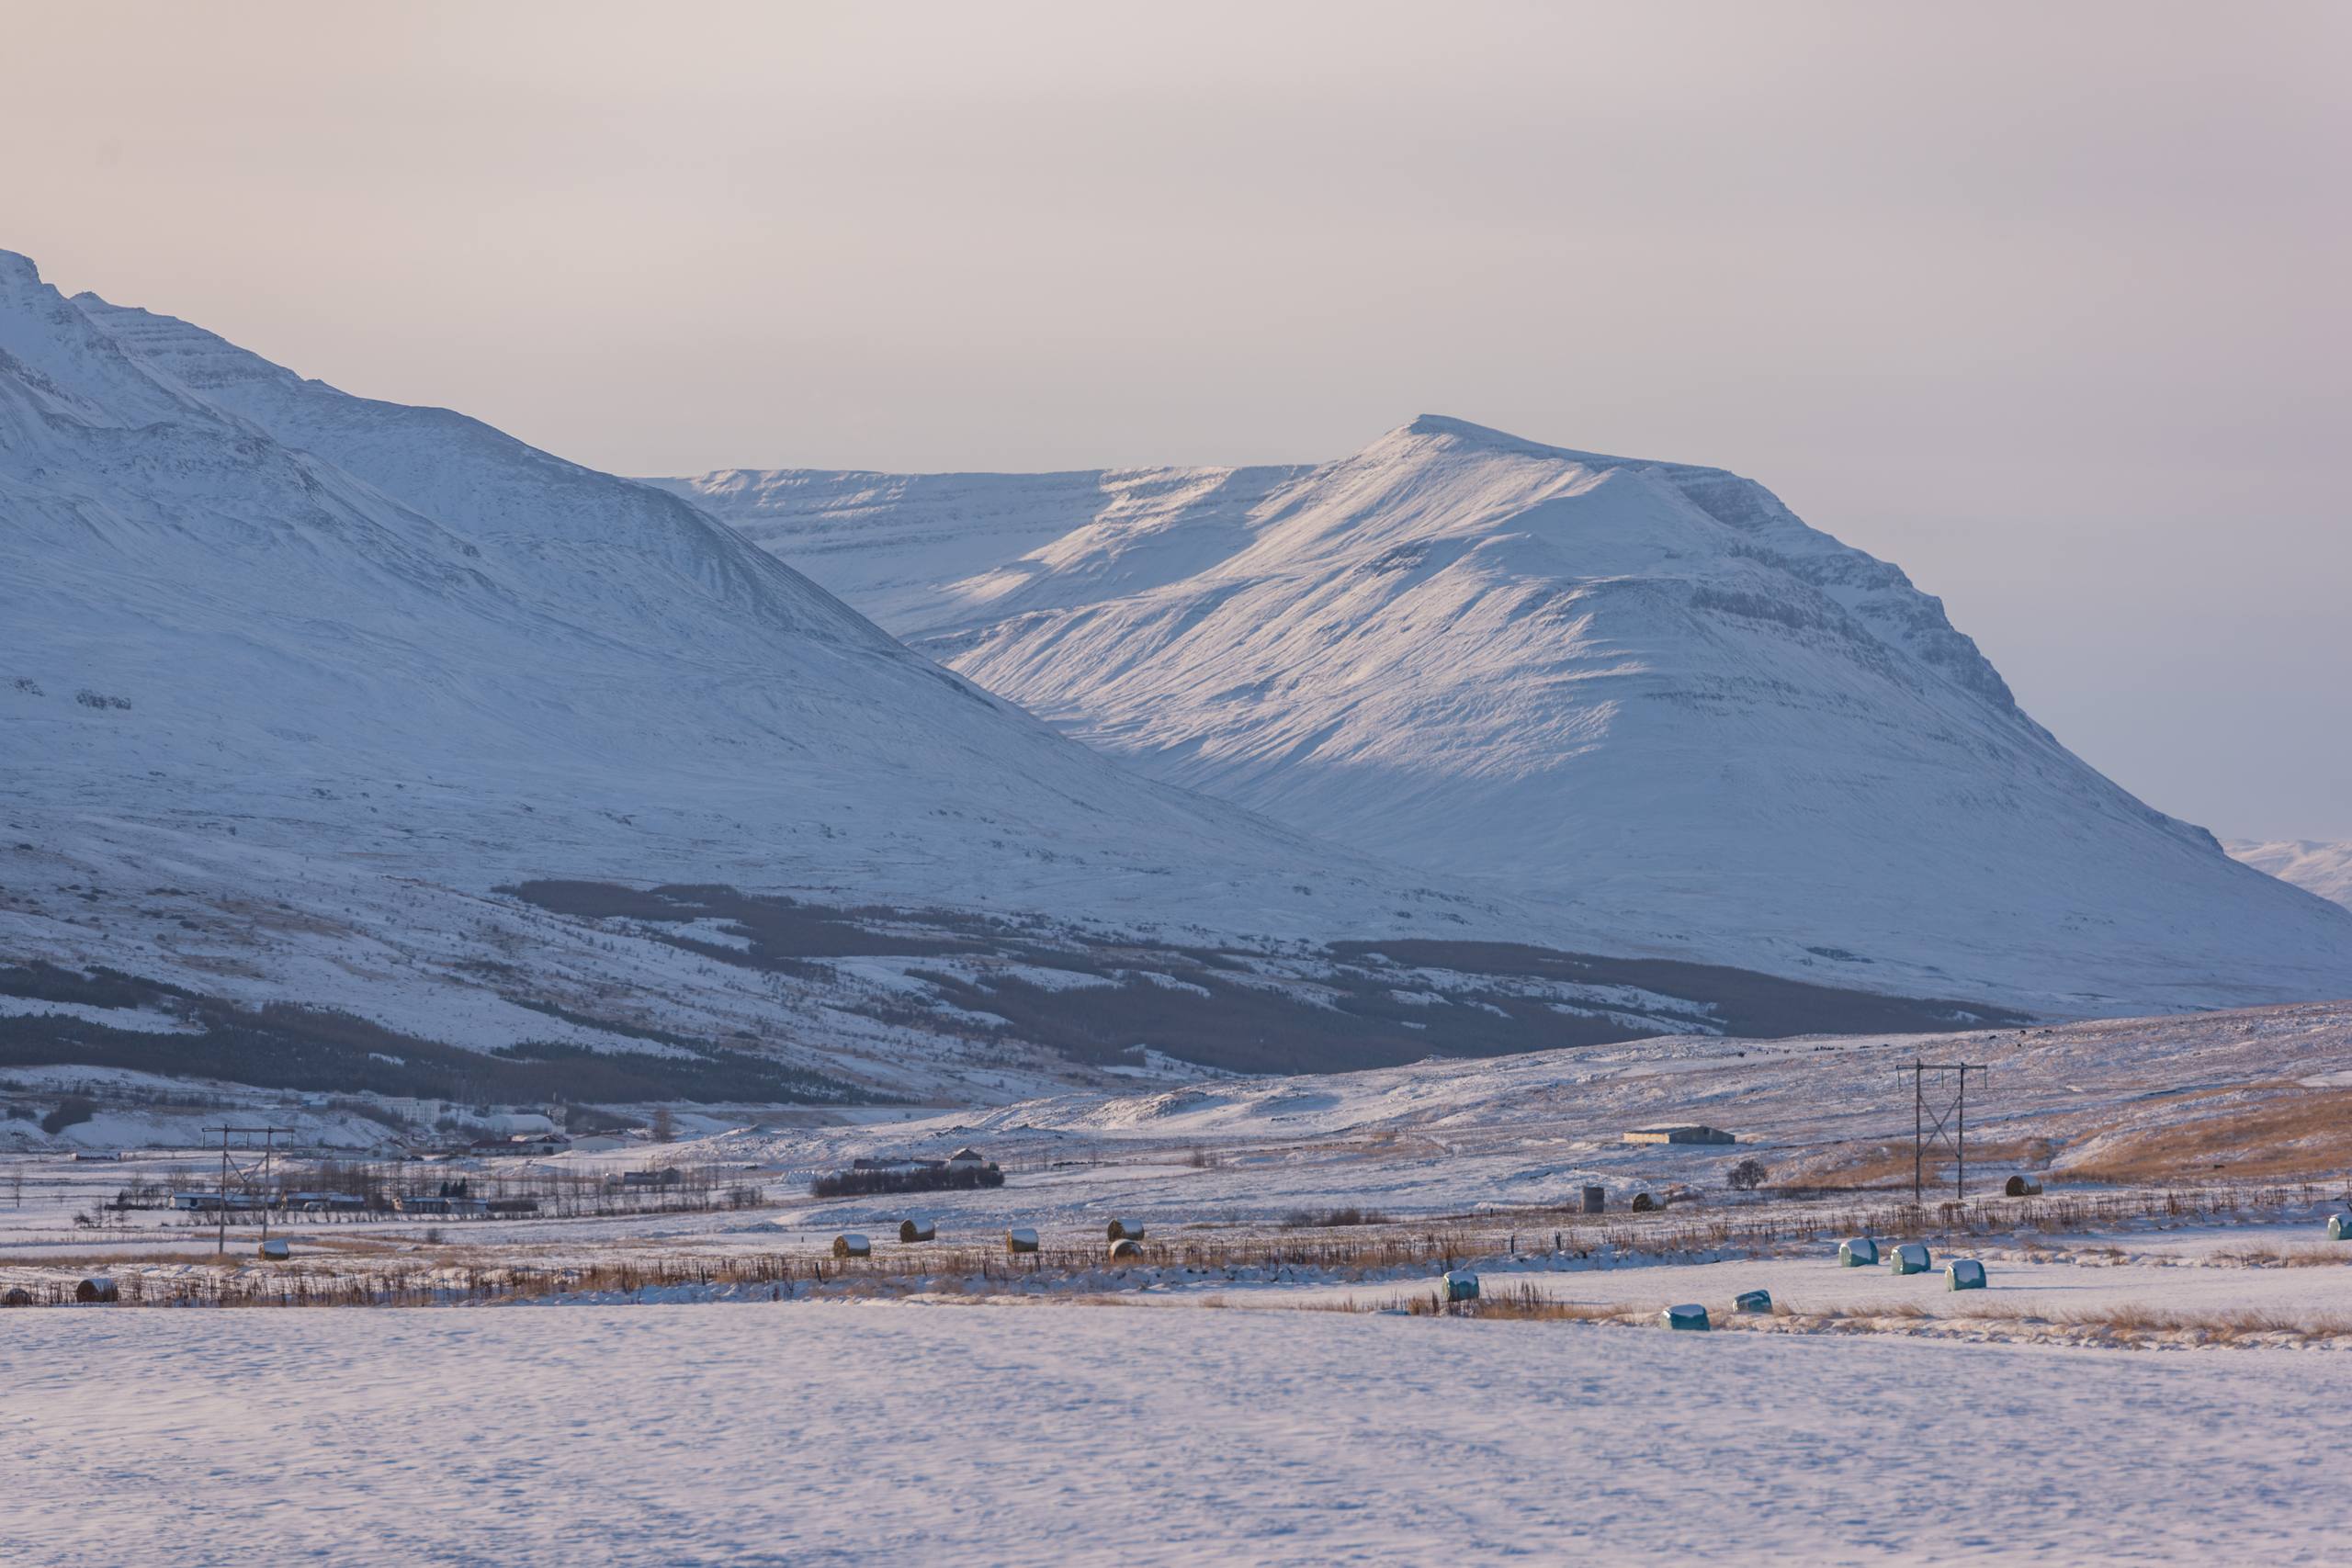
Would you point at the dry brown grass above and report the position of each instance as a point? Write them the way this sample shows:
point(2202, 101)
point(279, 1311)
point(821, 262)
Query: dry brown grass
point(2134, 1321)
point(2263, 1132)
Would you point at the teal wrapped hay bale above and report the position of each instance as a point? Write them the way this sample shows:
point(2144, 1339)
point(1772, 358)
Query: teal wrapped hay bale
point(275, 1249)
point(1964, 1274)
point(1126, 1251)
point(1020, 1241)
point(2339, 1227)
point(918, 1230)
point(1911, 1257)
point(1692, 1318)
point(1752, 1301)
point(849, 1243)
point(1860, 1252)
point(1461, 1285)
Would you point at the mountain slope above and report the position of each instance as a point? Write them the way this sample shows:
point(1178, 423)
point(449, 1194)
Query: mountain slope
point(524, 663)
point(2314, 866)
point(1645, 694)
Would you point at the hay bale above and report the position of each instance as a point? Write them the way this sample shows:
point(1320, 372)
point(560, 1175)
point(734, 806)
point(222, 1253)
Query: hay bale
point(1595, 1200)
point(16, 1296)
point(1126, 1251)
point(1860, 1252)
point(97, 1290)
point(1643, 1202)
point(1911, 1257)
point(849, 1243)
point(1964, 1274)
point(1461, 1285)
point(1126, 1229)
point(1752, 1301)
point(2339, 1227)
point(1690, 1318)
point(2019, 1187)
point(918, 1230)
point(1023, 1240)
point(275, 1249)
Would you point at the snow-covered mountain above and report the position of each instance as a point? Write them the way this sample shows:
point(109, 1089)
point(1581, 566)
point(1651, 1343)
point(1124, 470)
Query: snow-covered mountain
point(2313, 866)
point(342, 739)
point(523, 664)
point(1645, 694)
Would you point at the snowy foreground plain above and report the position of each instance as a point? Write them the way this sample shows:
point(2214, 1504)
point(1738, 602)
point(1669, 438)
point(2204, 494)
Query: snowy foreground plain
point(1004, 1433)
point(2158, 1370)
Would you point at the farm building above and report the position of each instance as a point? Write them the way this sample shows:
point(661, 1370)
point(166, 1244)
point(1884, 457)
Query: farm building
point(1683, 1133)
point(967, 1158)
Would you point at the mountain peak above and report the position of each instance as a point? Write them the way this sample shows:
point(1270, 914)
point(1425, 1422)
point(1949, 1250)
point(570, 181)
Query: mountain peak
point(1460, 435)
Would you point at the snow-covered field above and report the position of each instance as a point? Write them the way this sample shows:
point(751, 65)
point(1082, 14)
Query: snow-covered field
point(871, 1433)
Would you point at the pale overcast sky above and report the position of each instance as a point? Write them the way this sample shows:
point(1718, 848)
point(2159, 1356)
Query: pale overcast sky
point(2044, 303)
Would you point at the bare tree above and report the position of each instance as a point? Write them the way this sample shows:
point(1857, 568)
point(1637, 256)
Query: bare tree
point(666, 1126)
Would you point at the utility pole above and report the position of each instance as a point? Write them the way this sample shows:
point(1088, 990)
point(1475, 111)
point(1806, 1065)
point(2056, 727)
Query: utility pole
point(268, 1136)
point(1943, 1119)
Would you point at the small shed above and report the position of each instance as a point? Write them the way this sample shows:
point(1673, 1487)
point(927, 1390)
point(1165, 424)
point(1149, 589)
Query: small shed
point(918, 1230)
point(1689, 1318)
point(1126, 1228)
point(1595, 1200)
point(1685, 1132)
point(1964, 1274)
point(1911, 1257)
point(1125, 1251)
point(849, 1243)
point(1860, 1252)
point(1752, 1301)
point(1021, 1240)
point(1461, 1285)
point(98, 1290)
point(275, 1249)
point(2339, 1227)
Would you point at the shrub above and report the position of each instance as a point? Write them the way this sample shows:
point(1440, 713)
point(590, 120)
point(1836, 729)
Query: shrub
point(1747, 1176)
point(929, 1178)
point(71, 1112)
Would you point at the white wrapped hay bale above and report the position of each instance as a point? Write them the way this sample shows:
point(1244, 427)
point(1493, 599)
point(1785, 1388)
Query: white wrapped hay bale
point(2339, 1227)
